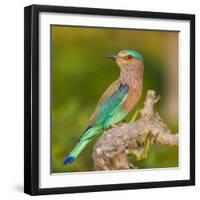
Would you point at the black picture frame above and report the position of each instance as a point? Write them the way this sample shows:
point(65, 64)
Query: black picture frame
point(31, 98)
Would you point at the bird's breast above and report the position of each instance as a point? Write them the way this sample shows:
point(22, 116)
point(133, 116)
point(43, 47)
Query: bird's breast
point(134, 94)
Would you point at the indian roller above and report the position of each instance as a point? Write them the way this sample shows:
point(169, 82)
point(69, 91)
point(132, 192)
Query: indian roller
point(117, 101)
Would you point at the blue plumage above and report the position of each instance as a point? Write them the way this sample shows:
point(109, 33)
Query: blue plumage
point(69, 160)
point(109, 106)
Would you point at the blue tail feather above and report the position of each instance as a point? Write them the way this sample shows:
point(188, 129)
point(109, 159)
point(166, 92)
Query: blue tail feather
point(69, 159)
point(84, 140)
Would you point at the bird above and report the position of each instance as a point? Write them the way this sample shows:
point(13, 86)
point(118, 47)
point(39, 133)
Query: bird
point(117, 101)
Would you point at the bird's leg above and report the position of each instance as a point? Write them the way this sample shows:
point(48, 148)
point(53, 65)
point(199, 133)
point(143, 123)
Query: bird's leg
point(114, 126)
point(119, 124)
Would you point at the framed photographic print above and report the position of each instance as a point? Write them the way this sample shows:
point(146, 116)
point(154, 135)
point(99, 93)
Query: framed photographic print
point(109, 100)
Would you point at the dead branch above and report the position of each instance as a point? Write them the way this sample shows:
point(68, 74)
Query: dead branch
point(113, 147)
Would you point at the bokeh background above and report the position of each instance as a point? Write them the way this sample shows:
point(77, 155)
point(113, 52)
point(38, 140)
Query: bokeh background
point(80, 73)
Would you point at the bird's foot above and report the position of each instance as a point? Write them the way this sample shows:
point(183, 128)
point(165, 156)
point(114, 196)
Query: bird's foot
point(118, 125)
point(114, 126)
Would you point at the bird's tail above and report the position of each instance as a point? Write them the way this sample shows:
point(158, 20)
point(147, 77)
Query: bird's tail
point(84, 140)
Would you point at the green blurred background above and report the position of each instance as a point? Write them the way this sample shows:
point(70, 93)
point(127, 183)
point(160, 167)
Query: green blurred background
point(80, 73)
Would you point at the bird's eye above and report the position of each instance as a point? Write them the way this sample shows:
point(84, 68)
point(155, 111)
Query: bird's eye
point(128, 57)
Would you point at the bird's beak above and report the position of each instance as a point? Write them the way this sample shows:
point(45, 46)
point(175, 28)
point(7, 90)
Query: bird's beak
point(114, 57)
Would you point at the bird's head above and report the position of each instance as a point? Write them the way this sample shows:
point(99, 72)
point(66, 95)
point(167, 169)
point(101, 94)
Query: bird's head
point(128, 59)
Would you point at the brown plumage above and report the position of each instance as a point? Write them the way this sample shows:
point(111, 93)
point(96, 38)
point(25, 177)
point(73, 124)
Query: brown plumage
point(132, 75)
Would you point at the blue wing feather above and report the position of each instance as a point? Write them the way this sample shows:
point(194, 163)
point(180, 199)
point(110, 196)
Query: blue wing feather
point(108, 107)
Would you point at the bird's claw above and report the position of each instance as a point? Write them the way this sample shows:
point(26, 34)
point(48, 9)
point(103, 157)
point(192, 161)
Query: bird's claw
point(114, 126)
point(118, 125)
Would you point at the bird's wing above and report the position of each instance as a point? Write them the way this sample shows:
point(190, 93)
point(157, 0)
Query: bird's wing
point(109, 91)
point(109, 101)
